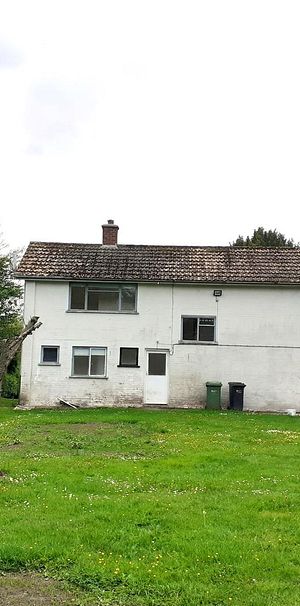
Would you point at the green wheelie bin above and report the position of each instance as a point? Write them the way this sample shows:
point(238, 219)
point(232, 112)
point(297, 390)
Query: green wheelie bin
point(213, 395)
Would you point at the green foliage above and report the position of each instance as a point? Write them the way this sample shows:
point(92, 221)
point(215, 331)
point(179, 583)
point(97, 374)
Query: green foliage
point(11, 385)
point(11, 380)
point(10, 294)
point(263, 238)
point(173, 508)
point(10, 322)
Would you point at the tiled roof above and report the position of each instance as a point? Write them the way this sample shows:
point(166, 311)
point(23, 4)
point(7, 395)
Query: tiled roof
point(199, 264)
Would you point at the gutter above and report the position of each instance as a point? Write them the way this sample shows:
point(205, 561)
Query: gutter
point(158, 282)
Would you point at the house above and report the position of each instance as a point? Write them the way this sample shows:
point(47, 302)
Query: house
point(136, 325)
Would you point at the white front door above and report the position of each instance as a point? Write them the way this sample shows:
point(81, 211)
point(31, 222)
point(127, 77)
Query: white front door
point(156, 382)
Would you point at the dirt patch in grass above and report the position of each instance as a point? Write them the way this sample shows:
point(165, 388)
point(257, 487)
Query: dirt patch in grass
point(76, 427)
point(33, 589)
point(10, 447)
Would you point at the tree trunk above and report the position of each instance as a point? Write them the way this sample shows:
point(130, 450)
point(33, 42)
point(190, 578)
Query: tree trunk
point(9, 347)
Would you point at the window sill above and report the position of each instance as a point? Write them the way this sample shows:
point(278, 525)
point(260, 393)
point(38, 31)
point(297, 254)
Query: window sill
point(95, 311)
point(197, 343)
point(49, 364)
point(86, 377)
point(128, 366)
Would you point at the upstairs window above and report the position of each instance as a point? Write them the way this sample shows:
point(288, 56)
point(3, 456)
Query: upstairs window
point(199, 328)
point(116, 298)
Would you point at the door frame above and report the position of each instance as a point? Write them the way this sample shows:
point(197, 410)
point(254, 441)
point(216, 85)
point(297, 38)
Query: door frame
point(157, 350)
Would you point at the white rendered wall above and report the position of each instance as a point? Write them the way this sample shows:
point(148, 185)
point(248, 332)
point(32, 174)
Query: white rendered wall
point(258, 342)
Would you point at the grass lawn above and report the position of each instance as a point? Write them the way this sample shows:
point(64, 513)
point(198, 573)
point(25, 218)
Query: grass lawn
point(165, 508)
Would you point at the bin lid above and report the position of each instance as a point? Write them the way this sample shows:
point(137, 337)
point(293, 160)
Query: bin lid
point(213, 384)
point(237, 383)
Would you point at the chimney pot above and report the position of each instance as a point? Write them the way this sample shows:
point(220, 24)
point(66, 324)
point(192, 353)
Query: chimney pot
point(110, 233)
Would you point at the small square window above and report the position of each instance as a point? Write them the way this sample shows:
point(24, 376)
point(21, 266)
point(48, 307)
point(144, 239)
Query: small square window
point(129, 356)
point(50, 354)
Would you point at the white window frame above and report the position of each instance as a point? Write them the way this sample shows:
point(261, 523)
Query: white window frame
point(183, 317)
point(42, 362)
point(89, 376)
point(103, 286)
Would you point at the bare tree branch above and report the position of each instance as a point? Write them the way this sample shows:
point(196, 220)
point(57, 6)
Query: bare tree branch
point(9, 347)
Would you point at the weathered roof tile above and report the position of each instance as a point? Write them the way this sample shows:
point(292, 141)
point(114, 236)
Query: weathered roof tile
point(199, 264)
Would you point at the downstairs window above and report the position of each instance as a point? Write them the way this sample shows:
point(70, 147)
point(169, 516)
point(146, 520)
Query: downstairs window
point(129, 356)
point(50, 355)
point(89, 362)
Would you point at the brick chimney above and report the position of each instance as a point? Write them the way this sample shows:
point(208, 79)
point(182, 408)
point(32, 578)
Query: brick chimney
point(110, 233)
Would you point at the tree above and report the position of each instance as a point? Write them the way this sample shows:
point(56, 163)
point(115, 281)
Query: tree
point(12, 331)
point(264, 238)
point(10, 347)
point(10, 295)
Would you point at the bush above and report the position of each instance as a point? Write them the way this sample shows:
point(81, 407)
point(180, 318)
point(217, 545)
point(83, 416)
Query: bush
point(10, 386)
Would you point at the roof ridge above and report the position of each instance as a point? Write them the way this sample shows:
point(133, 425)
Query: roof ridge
point(163, 246)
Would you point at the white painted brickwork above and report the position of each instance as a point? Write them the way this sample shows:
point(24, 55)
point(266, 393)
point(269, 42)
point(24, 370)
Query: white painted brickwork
point(257, 333)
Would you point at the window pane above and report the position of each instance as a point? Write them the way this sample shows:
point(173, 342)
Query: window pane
point(206, 333)
point(50, 354)
point(207, 321)
point(128, 356)
point(103, 300)
point(156, 364)
point(128, 299)
point(97, 364)
point(92, 300)
point(81, 360)
point(77, 297)
point(81, 351)
point(189, 329)
point(81, 365)
point(98, 351)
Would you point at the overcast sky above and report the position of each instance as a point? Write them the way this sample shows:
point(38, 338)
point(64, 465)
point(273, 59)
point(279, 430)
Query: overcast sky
point(180, 120)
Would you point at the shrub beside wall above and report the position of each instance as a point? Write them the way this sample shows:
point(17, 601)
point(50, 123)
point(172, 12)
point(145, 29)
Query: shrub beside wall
point(11, 381)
